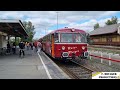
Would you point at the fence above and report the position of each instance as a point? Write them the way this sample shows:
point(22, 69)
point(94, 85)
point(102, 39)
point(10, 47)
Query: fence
point(101, 56)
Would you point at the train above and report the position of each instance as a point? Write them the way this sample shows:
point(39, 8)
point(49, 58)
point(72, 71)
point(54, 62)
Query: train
point(65, 44)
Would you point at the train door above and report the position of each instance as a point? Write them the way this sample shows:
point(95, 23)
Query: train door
point(52, 45)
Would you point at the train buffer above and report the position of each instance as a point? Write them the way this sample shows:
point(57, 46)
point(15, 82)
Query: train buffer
point(33, 66)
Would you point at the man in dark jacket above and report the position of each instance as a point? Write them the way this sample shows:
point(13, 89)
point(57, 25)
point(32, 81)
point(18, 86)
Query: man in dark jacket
point(22, 47)
point(13, 48)
point(8, 47)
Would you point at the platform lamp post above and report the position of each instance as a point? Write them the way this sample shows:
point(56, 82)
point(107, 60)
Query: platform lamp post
point(57, 19)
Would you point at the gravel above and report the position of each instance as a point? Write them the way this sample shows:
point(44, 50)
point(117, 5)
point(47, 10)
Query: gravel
point(96, 65)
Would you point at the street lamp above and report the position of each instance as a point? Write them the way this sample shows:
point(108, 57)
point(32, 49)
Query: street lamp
point(57, 20)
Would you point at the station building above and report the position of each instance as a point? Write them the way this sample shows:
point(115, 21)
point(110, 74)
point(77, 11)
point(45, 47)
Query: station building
point(108, 35)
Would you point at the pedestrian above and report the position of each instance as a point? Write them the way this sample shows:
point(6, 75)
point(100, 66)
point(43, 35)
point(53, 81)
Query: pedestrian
point(21, 48)
point(31, 45)
point(39, 45)
point(8, 47)
point(27, 45)
point(13, 48)
point(35, 45)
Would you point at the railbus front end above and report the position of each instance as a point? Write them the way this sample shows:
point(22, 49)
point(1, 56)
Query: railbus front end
point(70, 45)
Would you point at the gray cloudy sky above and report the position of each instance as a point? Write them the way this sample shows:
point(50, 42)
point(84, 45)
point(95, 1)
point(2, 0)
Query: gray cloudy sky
point(47, 20)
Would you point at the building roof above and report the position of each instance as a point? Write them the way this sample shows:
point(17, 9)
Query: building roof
point(105, 30)
point(12, 27)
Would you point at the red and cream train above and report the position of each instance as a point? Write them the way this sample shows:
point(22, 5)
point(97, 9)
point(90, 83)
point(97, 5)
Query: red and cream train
point(65, 44)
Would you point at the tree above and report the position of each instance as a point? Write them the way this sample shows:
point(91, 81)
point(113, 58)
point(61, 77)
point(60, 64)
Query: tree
point(96, 26)
point(13, 40)
point(30, 31)
point(114, 20)
point(108, 22)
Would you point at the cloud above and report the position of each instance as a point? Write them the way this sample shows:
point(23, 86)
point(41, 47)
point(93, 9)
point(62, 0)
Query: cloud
point(89, 25)
point(44, 19)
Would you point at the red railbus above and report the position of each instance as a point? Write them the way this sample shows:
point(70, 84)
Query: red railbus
point(65, 44)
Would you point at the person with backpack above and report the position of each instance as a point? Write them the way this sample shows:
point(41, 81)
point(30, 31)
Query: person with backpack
point(22, 47)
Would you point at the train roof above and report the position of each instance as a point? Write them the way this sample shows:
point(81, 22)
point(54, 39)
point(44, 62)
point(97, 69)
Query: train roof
point(67, 30)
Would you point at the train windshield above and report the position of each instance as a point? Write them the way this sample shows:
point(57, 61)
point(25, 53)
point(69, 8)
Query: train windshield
point(73, 38)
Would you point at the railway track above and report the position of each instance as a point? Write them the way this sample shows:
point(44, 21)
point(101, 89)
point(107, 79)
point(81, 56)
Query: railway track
point(75, 70)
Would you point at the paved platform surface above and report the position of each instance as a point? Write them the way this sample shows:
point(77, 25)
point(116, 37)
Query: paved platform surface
point(32, 66)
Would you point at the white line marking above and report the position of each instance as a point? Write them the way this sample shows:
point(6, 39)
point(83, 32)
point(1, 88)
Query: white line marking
point(49, 76)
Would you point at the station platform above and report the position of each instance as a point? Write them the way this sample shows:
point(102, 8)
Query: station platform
point(33, 66)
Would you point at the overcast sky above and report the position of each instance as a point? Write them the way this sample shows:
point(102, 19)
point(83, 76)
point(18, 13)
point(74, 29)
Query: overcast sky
point(46, 21)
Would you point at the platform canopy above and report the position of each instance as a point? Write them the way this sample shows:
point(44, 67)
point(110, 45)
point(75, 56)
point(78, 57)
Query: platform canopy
point(13, 27)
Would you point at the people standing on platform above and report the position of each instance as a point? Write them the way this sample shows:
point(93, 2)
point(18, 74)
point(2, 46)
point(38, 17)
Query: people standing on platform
point(27, 45)
point(8, 47)
point(14, 48)
point(21, 48)
point(39, 45)
point(31, 45)
point(35, 45)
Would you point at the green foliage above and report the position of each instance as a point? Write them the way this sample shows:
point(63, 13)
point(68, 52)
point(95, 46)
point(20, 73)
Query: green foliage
point(114, 20)
point(108, 22)
point(30, 31)
point(96, 26)
point(13, 40)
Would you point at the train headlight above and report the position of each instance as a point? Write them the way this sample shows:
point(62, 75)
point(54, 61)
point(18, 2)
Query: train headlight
point(83, 47)
point(63, 47)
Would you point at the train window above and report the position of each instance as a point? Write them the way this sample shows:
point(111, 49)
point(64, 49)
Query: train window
point(77, 38)
point(84, 38)
point(56, 37)
point(66, 37)
point(80, 38)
